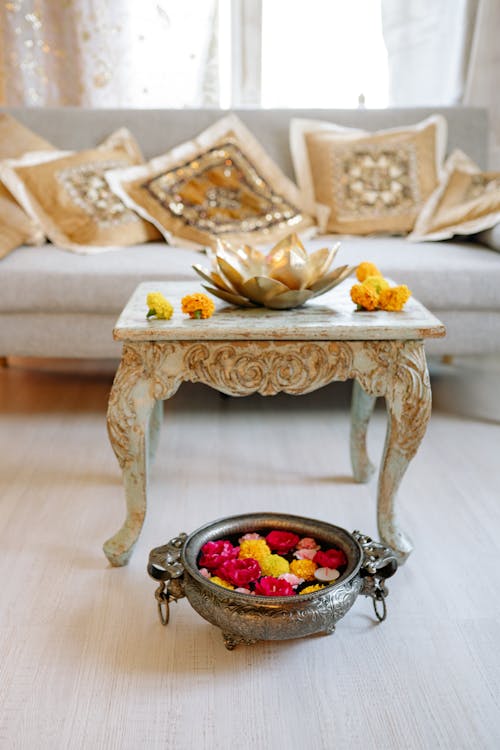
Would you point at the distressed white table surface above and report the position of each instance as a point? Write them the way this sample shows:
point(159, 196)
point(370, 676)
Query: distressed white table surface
point(331, 317)
point(243, 351)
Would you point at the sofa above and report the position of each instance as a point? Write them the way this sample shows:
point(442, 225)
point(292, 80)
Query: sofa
point(55, 303)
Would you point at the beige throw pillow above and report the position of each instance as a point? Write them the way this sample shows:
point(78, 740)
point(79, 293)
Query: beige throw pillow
point(16, 227)
point(221, 184)
point(371, 182)
point(66, 192)
point(466, 201)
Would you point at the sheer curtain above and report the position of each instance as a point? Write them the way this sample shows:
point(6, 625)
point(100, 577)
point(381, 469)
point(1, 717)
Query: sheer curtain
point(118, 53)
point(445, 52)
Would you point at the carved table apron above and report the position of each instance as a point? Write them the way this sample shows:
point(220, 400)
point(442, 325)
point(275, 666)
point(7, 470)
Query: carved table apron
point(386, 360)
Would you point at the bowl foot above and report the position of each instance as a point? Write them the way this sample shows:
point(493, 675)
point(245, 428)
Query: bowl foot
point(231, 640)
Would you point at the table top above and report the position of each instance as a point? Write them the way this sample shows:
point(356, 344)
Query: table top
point(330, 317)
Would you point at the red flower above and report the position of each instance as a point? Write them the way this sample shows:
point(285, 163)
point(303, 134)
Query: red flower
point(269, 586)
point(282, 541)
point(213, 554)
point(239, 572)
point(331, 558)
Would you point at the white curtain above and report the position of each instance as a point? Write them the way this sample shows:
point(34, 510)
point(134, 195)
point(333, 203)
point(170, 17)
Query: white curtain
point(115, 53)
point(445, 52)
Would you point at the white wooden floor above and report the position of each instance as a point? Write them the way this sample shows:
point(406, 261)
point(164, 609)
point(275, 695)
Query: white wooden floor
point(84, 662)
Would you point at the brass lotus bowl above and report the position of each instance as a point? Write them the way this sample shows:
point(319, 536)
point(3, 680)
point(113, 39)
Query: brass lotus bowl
point(288, 276)
point(245, 618)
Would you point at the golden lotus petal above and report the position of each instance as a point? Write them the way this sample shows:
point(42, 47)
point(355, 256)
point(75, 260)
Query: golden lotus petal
point(233, 299)
point(261, 289)
point(286, 245)
point(291, 298)
point(332, 279)
point(320, 261)
point(213, 278)
point(230, 273)
point(290, 268)
point(253, 260)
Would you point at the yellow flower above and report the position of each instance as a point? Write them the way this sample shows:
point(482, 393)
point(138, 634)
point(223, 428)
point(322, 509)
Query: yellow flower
point(310, 589)
point(159, 306)
point(258, 549)
point(274, 565)
point(364, 297)
point(221, 582)
point(394, 299)
point(303, 569)
point(366, 269)
point(376, 283)
point(197, 306)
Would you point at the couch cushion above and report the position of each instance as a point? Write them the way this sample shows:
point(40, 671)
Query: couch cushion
point(442, 275)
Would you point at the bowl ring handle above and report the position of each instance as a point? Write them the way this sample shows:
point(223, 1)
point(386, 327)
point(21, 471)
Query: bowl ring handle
point(165, 565)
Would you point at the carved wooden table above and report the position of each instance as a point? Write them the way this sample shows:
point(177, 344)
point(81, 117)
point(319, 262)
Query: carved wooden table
point(244, 351)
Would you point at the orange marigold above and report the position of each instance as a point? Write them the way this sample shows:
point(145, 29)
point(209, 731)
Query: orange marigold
point(303, 569)
point(376, 283)
point(197, 305)
point(366, 269)
point(394, 299)
point(364, 297)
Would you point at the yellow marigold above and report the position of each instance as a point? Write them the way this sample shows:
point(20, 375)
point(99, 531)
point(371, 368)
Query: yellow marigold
point(366, 269)
point(303, 569)
point(159, 307)
point(221, 582)
point(274, 565)
point(258, 549)
point(310, 589)
point(364, 297)
point(394, 299)
point(197, 306)
point(376, 283)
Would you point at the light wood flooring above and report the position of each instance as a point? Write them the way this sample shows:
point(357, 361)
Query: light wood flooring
point(84, 662)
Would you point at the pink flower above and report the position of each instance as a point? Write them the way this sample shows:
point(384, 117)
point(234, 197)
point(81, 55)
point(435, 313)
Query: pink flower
point(269, 586)
point(251, 535)
point(305, 554)
point(281, 541)
point(243, 590)
point(213, 554)
point(330, 558)
point(307, 542)
point(293, 580)
point(239, 572)
point(205, 573)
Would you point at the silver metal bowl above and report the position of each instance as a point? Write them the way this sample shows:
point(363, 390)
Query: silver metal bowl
point(245, 618)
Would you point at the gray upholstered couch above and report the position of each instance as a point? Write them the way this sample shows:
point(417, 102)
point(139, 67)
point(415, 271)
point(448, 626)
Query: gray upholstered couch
point(57, 304)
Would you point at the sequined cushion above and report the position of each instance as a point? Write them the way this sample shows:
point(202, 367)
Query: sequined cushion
point(371, 183)
point(221, 184)
point(466, 201)
point(16, 227)
point(67, 193)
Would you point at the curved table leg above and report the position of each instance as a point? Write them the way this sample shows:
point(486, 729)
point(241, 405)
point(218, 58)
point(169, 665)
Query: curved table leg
point(130, 406)
point(155, 421)
point(362, 405)
point(408, 400)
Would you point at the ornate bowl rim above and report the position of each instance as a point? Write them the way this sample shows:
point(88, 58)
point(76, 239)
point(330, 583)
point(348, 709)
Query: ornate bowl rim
point(250, 521)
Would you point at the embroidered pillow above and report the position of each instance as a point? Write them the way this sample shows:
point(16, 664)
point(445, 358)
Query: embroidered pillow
point(67, 194)
point(371, 182)
point(466, 201)
point(16, 227)
point(221, 184)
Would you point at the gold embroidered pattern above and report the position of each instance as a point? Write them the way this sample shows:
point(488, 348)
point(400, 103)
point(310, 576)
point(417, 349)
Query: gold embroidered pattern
point(376, 180)
point(220, 192)
point(481, 184)
point(87, 187)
